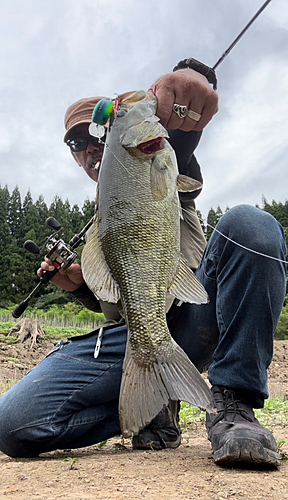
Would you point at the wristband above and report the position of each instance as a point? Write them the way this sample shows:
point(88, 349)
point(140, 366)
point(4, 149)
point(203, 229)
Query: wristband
point(198, 66)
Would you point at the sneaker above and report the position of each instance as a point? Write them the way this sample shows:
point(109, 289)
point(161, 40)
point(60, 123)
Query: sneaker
point(162, 432)
point(235, 433)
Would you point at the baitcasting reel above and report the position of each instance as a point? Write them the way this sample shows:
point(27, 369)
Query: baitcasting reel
point(60, 254)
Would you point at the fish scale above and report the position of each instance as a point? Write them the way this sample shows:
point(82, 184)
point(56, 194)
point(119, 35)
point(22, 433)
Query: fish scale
point(134, 256)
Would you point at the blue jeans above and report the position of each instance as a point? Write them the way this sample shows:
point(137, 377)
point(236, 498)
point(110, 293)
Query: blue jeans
point(70, 399)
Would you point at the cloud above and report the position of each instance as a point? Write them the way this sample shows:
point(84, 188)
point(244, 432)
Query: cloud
point(248, 147)
point(53, 53)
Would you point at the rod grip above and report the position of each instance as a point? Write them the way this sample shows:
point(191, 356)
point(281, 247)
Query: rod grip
point(20, 309)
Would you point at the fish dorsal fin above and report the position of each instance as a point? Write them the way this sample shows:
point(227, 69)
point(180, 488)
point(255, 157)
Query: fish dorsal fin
point(186, 287)
point(187, 184)
point(96, 272)
point(132, 97)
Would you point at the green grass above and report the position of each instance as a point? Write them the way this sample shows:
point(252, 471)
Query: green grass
point(13, 360)
point(190, 415)
point(59, 332)
point(8, 339)
point(6, 326)
point(53, 333)
point(275, 412)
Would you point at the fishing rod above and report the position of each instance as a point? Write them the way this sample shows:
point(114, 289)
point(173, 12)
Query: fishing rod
point(61, 254)
point(207, 71)
point(225, 54)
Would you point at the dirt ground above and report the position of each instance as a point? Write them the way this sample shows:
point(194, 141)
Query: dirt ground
point(116, 472)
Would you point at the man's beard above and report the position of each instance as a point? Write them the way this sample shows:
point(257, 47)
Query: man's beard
point(94, 160)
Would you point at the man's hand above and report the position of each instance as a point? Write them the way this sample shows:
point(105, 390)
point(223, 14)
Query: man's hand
point(68, 280)
point(189, 88)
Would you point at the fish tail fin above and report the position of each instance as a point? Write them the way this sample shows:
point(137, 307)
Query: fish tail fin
point(146, 389)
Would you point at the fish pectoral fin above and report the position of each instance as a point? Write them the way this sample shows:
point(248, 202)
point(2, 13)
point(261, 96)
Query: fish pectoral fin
point(158, 178)
point(187, 287)
point(187, 184)
point(96, 272)
point(146, 389)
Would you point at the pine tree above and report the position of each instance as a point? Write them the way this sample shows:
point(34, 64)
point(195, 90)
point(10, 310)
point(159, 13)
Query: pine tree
point(88, 210)
point(62, 213)
point(76, 219)
point(218, 214)
point(29, 220)
point(211, 223)
point(201, 220)
point(4, 224)
point(42, 229)
point(15, 213)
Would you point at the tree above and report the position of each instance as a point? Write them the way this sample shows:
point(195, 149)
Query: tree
point(88, 210)
point(42, 229)
point(211, 223)
point(4, 223)
point(62, 213)
point(76, 219)
point(15, 213)
point(29, 220)
point(201, 220)
point(218, 214)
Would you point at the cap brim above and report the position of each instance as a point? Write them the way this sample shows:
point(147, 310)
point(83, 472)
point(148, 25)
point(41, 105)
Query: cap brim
point(66, 136)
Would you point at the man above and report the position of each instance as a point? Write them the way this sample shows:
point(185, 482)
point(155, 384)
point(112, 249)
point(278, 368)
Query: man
point(71, 399)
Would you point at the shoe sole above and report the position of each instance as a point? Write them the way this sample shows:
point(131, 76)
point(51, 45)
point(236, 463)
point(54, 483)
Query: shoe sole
point(153, 445)
point(245, 450)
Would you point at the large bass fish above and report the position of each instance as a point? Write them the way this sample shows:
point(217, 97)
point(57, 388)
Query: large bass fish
point(134, 256)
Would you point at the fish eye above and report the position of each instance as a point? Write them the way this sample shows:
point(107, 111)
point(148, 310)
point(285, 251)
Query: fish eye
point(121, 113)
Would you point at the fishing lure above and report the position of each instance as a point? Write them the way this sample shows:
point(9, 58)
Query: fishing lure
point(104, 111)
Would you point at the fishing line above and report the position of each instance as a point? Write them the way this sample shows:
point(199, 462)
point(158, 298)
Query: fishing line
point(241, 34)
point(214, 228)
point(246, 248)
point(236, 243)
point(183, 210)
point(106, 145)
point(122, 165)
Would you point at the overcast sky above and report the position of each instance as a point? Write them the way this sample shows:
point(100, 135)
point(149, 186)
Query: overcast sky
point(56, 52)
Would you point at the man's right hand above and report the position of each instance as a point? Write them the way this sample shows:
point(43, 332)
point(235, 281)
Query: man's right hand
point(70, 279)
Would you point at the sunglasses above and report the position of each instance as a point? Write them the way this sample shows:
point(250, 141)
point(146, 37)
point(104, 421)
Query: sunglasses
point(81, 143)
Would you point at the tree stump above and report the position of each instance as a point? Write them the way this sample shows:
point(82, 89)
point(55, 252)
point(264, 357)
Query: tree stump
point(28, 328)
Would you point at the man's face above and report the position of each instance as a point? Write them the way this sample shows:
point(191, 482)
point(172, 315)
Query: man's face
point(90, 157)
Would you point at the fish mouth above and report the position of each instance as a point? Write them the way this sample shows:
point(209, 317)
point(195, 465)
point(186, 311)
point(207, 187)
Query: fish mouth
point(151, 147)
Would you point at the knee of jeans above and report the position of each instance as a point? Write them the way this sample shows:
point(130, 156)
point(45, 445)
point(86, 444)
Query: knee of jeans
point(25, 441)
point(255, 229)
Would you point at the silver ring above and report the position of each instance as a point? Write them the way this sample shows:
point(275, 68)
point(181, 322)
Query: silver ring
point(193, 115)
point(183, 111)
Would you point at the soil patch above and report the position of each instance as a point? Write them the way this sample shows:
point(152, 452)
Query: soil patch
point(117, 472)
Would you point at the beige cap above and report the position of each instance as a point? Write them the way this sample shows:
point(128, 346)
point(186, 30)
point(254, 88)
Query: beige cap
point(79, 112)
